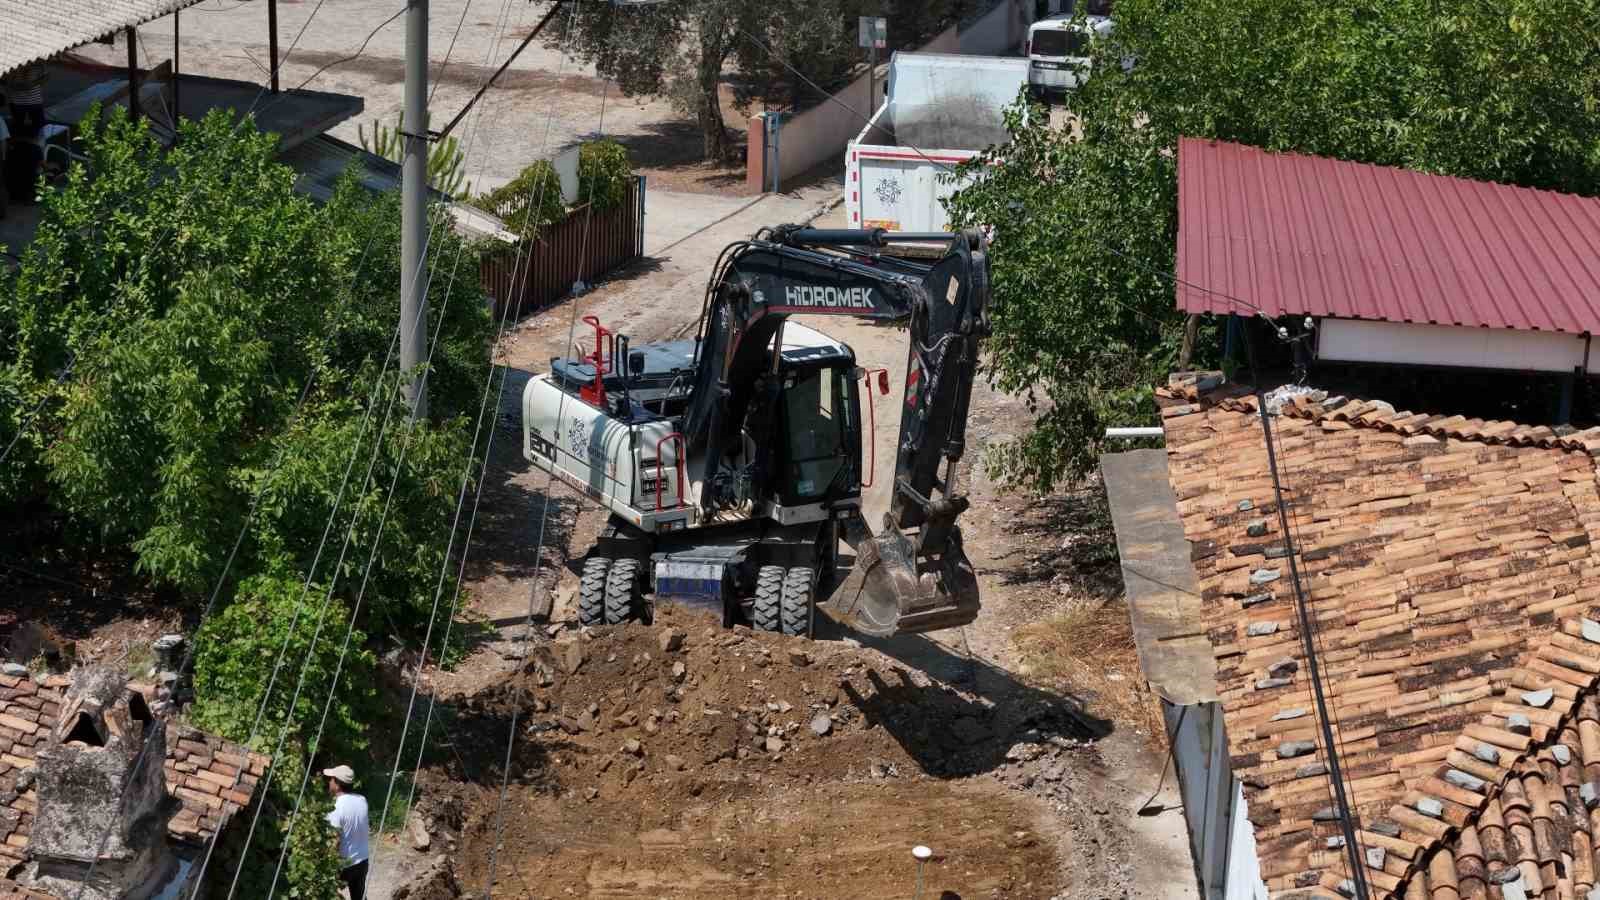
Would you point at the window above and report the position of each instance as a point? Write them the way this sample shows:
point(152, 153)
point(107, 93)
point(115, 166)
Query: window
point(816, 408)
point(1059, 42)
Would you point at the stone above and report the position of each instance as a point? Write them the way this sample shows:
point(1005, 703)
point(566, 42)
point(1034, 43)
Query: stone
point(774, 744)
point(1253, 599)
point(1283, 667)
point(785, 706)
point(1506, 875)
point(1264, 576)
point(632, 747)
point(1261, 629)
point(1488, 753)
point(675, 763)
point(1346, 888)
point(670, 640)
point(1245, 505)
point(1335, 843)
point(1275, 552)
point(1375, 858)
point(1291, 749)
point(568, 724)
point(14, 670)
point(591, 793)
point(1430, 807)
point(1311, 770)
point(1540, 698)
point(570, 653)
point(1562, 753)
point(554, 629)
point(585, 721)
point(1384, 827)
point(1464, 780)
point(1256, 528)
point(678, 671)
point(420, 839)
point(1591, 631)
point(1517, 723)
point(1326, 814)
point(627, 719)
point(799, 658)
point(1286, 714)
point(1267, 684)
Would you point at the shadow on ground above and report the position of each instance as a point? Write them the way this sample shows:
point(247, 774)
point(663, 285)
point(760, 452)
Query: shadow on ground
point(966, 724)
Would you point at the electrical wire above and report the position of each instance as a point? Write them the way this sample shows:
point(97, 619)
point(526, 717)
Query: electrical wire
point(544, 520)
point(188, 657)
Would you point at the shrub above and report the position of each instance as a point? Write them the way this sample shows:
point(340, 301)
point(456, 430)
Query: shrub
point(528, 202)
point(603, 174)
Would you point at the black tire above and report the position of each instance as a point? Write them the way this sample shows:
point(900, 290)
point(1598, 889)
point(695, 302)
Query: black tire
point(767, 612)
point(795, 601)
point(625, 592)
point(592, 591)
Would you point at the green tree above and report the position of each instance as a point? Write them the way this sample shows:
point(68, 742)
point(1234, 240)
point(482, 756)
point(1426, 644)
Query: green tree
point(603, 174)
point(528, 202)
point(1085, 226)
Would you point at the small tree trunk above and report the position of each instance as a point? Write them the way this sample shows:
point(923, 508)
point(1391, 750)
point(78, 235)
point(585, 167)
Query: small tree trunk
point(1191, 331)
point(714, 47)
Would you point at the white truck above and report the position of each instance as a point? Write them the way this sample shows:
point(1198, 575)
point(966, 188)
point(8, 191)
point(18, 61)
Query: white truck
point(942, 110)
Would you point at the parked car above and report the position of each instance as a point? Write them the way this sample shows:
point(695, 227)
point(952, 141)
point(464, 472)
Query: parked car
point(1058, 51)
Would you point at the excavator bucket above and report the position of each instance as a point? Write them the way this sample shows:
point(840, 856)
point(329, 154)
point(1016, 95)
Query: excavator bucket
point(894, 591)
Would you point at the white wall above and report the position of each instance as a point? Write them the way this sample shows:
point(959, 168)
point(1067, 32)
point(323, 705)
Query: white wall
point(1221, 838)
point(1353, 340)
point(1244, 866)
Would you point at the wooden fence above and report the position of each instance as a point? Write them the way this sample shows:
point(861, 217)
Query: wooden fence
point(582, 247)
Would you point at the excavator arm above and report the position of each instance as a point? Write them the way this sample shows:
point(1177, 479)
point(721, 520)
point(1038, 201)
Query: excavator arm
point(912, 575)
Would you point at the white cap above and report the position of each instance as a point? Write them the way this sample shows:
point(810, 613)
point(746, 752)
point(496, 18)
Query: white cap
point(921, 853)
point(342, 774)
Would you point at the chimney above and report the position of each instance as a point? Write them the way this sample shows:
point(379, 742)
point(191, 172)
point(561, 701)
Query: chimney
point(93, 787)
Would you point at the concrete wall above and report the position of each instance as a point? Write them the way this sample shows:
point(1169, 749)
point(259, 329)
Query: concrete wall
point(1000, 31)
point(821, 133)
point(1221, 838)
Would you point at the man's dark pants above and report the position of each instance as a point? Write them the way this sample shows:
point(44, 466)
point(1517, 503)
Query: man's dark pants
point(355, 878)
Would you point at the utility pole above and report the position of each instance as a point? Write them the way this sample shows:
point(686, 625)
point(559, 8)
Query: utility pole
point(414, 210)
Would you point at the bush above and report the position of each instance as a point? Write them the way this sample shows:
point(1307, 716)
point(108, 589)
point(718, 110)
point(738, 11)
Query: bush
point(528, 202)
point(603, 174)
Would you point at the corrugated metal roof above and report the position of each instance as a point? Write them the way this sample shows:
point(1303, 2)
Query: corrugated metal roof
point(1303, 235)
point(39, 29)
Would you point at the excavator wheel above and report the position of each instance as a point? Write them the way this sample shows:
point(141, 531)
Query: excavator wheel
point(794, 602)
point(592, 591)
point(624, 593)
point(767, 612)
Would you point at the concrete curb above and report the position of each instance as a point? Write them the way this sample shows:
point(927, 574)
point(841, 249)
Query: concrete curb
point(825, 208)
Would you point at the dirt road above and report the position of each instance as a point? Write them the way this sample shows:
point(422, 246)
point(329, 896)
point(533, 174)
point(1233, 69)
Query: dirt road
point(542, 92)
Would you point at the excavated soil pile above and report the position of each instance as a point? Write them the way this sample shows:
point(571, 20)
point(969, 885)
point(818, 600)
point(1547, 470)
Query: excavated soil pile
point(684, 760)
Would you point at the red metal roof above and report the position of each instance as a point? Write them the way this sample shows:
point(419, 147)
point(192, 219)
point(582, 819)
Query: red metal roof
point(1295, 234)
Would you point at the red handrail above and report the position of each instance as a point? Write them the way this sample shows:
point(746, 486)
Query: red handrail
point(679, 465)
point(872, 417)
point(596, 393)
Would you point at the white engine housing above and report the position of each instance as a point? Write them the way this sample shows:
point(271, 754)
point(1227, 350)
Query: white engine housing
point(605, 458)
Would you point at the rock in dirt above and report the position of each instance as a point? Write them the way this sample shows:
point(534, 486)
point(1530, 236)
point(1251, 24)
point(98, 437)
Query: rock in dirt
point(420, 839)
point(678, 671)
point(436, 880)
point(675, 763)
point(821, 724)
point(774, 744)
point(632, 747)
point(670, 640)
point(591, 793)
point(586, 721)
point(571, 655)
point(799, 658)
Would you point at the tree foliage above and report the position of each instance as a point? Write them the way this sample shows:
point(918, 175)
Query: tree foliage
point(1085, 228)
point(528, 202)
point(199, 356)
point(603, 174)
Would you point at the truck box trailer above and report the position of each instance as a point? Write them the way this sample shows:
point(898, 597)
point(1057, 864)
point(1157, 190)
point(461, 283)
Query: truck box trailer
point(942, 109)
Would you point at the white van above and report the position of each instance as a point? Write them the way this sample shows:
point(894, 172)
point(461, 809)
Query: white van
point(1058, 49)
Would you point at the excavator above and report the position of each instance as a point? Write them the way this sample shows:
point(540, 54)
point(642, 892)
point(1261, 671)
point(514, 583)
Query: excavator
point(731, 463)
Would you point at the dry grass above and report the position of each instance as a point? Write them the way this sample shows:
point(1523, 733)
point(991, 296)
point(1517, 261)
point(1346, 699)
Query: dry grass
point(1090, 653)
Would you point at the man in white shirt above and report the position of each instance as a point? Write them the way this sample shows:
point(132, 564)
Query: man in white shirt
point(349, 819)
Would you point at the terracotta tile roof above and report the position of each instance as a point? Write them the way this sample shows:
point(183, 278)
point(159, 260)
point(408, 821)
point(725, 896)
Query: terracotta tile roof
point(1449, 568)
point(200, 768)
